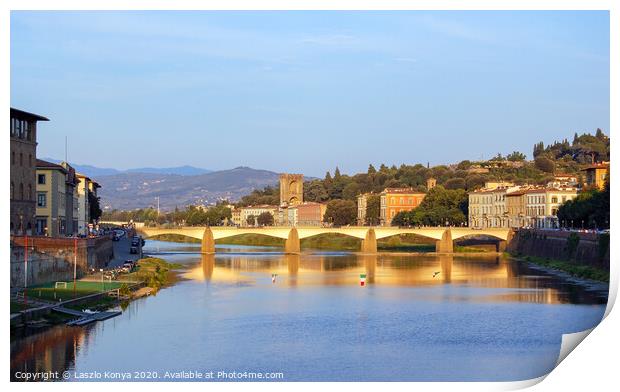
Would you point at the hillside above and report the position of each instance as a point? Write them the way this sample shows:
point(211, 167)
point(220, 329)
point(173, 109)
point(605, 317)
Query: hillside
point(130, 190)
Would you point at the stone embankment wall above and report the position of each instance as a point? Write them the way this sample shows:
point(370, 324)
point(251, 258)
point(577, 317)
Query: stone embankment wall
point(582, 248)
point(46, 259)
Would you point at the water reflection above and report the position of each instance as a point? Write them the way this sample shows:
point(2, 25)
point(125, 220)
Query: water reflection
point(394, 270)
point(51, 350)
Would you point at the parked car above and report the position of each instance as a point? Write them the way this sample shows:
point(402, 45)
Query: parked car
point(133, 250)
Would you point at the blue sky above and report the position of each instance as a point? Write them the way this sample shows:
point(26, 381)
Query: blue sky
point(307, 91)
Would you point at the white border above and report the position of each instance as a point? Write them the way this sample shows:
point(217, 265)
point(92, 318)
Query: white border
point(591, 367)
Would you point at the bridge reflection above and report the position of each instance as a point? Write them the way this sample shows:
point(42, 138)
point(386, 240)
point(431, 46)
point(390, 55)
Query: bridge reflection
point(332, 270)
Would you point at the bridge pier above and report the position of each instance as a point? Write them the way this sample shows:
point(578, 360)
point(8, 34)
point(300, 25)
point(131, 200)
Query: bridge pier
point(369, 244)
point(445, 245)
point(208, 243)
point(292, 244)
point(501, 246)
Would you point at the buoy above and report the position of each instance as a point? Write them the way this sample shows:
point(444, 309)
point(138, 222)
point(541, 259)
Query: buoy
point(273, 278)
point(362, 279)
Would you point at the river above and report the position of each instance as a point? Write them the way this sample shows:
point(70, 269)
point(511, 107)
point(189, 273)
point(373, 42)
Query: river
point(417, 318)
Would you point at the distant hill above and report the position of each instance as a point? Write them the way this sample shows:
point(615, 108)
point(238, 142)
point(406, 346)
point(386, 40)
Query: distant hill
point(95, 172)
point(131, 190)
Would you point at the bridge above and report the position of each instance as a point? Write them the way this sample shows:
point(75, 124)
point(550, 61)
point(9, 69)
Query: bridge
point(444, 237)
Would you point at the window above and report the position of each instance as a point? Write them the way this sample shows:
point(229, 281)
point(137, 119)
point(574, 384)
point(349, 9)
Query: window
point(41, 179)
point(41, 200)
point(12, 190)
point(21, 159)
point(18, 128)
point(554, 199)
point(30, 160)
point(21, 191)
point(41, 226)
point(26, 127)
point(12, 157)
point(29, 192)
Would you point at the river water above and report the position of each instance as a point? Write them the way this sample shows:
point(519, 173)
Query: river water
point(418, 318)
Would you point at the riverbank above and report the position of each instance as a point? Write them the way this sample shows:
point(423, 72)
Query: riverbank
point(150, 275)
point(571, 269)
point(405, 243)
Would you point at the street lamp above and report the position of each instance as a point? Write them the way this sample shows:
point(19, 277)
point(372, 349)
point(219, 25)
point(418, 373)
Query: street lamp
point(102, 284)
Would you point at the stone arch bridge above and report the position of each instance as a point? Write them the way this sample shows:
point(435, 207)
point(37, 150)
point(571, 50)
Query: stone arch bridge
point(443, 236)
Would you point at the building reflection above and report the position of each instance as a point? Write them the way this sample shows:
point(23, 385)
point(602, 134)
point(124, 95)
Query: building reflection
point(52, 350)
point(383, 269)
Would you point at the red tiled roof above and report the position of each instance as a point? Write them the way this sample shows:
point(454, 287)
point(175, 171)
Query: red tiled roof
point(41, 164)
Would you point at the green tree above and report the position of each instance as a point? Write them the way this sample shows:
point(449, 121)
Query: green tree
point(544, 164)
point(265, 219)
point(373, 210)
point(251, 220)
point(94, 207)
point(440, 206)
point(315, 191)
point(516, 156)
point(455, 183)
point(340, 212)
point(350, 191)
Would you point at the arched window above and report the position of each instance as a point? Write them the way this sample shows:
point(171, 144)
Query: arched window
point(29, 192)
point(21, 159)
point(21, 191)
point(12, 192)
point(30, 160)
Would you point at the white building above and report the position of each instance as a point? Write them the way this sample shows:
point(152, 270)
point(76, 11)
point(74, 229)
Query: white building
point(255, 211)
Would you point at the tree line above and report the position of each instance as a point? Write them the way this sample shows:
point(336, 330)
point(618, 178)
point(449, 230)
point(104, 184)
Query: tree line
point(589, 210)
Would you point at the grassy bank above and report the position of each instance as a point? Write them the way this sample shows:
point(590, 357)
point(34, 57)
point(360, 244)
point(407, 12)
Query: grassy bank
point(576, 270)
point(153, 272)
point(398, 243)
point(49, 292)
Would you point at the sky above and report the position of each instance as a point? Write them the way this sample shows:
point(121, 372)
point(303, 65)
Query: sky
point(307, 91)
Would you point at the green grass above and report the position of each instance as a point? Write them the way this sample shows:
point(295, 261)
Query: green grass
point(468, 249)
point(580, 271)
point(83, 288)
point(154, 272)
point(175, 238)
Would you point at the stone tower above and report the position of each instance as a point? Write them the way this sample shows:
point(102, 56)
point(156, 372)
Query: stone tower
point(291, 189)
point(430, 183)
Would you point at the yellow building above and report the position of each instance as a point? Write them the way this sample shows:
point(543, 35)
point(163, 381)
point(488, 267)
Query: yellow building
point(596, 174)
point(395, 200)
point(51, 202)
point(236, 216)
point(515, 207)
